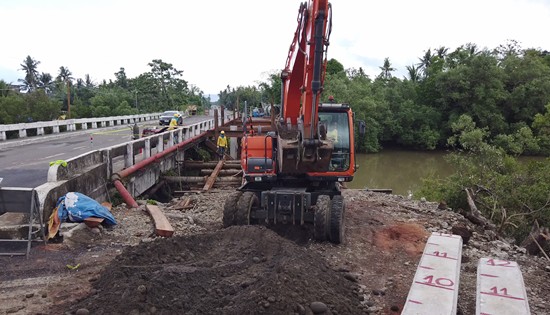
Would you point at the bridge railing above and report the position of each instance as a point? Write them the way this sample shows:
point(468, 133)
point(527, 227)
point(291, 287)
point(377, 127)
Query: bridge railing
point(89, 173)
point(57, 126)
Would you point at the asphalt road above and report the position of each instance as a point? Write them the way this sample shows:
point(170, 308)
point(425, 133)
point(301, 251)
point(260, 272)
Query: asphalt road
point(27, 165)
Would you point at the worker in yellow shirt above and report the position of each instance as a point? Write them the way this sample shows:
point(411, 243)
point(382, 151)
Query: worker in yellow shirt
point(174, 122)
point(222, 144)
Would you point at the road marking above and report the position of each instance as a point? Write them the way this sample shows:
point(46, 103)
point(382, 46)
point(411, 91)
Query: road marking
point(80, 147)
point(111, 131)
point(436, 281)
point(500, 288)
point(51, 156)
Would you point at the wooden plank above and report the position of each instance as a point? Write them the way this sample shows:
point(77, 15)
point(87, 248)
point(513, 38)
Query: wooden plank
point(93, 222)
point(162, 226)
point(183, 204)
point(210, 181)
point(435, 286)
point(500, 288)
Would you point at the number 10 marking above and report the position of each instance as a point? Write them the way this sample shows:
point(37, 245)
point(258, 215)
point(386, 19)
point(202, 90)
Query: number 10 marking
point(442, 283)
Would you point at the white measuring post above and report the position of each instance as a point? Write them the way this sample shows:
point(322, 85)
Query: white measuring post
point(500, 288)
point(435, 286)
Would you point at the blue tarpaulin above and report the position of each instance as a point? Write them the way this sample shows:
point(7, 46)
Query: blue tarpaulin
point(77, 207)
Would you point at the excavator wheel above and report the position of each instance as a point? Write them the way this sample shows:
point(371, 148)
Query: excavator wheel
point(336, 230)
point(229, 209)
point(244, 205)
point(320, 220)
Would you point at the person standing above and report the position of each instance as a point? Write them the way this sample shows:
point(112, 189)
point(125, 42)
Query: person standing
point(174, 122)
point(222, 144)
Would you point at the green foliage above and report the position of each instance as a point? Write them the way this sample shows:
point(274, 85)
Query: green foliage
point(10, 109)
point(160, 89)
point(271, 89)
point(541, 126)
point(32, 106)
point(41, 107)
point(234, 98)
point(503, 91)
point(334, 66)
point(513, 195)
point(152, 202)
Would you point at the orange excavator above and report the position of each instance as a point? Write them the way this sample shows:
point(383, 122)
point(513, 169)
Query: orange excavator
point(292, 174)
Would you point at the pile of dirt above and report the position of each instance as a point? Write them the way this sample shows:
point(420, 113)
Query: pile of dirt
point(239, 270)
point(206, 269)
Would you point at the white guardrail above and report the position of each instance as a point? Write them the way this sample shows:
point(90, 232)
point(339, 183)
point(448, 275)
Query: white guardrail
point(54, 126)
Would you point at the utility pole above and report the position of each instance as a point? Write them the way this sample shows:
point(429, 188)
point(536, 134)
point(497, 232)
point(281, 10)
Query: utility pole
point(136, 91)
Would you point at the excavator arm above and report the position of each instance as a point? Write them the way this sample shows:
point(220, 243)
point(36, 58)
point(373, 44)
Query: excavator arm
point(304, 72)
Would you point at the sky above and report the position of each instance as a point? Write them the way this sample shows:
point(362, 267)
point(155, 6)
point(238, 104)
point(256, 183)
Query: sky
point(219, 42)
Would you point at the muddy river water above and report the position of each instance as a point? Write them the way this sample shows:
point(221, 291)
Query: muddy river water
point(400, 170)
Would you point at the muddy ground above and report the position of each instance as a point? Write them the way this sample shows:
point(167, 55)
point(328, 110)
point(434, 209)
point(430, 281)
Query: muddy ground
point(205, 269)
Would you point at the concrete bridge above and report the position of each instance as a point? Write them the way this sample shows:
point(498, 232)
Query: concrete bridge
point(135, 165)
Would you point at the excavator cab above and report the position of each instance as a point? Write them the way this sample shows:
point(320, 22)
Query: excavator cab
point(337, 131)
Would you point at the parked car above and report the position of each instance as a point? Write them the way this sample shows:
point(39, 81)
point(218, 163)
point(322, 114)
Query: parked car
point(168, 115)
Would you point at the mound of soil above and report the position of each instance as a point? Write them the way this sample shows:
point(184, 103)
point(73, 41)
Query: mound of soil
point(238, 270)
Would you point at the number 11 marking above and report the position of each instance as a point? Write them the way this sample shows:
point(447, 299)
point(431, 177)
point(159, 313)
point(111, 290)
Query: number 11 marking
point(494, 291)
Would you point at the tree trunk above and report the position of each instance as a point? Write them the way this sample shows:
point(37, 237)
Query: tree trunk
point(538, 240)
point(474, 215)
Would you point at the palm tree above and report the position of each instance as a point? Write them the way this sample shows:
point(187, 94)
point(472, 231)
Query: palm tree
point(386, 69)
point(426, 62)
point(414, 73)
point(46, 82)
point(88, 81)
point(442, 52)
point(65, 76)
point(472, 49)
point(30, 66)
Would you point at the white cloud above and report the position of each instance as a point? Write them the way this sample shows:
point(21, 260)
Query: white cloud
point(219, 42)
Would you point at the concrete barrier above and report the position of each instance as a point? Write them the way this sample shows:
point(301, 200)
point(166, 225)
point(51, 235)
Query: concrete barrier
point(435, 286)
point(72, 124)
point(500, 288)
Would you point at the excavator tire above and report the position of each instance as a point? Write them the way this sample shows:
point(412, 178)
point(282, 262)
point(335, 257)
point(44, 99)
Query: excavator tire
point(320, 220)
point(244, 205)
point(336, 230)
point(229, 209)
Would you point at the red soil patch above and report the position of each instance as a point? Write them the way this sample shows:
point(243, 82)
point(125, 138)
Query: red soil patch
point(409, 237)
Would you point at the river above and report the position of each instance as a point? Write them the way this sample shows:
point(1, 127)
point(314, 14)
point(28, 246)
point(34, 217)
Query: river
point(398, 170)
point(401, 170)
